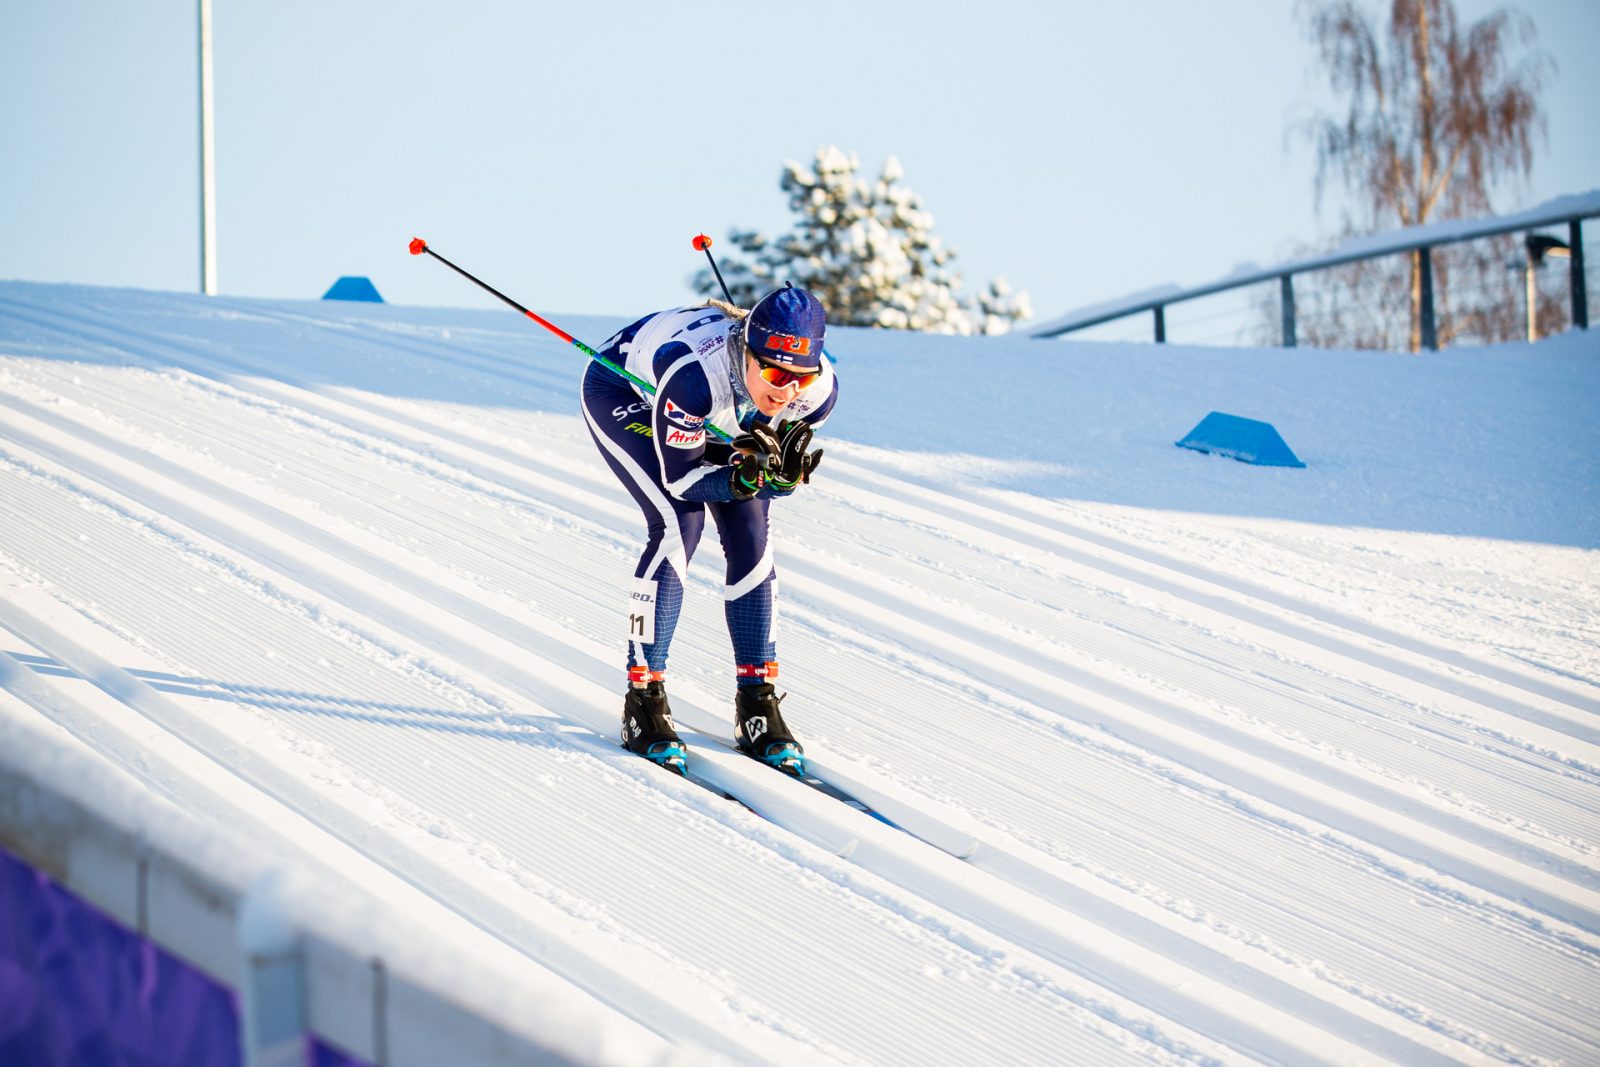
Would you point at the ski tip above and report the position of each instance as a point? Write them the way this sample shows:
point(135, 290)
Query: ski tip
point(418, 246)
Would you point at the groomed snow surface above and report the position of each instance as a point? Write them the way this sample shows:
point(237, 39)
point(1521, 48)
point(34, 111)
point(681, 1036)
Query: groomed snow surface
point(1201, 762)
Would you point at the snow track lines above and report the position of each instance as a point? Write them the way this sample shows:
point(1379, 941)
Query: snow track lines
point(416, 599)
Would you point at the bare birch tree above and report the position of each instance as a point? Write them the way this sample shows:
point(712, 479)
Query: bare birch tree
point(1439, 115)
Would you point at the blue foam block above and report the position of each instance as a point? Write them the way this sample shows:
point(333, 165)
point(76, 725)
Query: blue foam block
point(1245, 440)
point(353, 287)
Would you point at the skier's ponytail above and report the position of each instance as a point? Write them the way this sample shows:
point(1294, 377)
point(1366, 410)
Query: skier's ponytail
point(732, 310)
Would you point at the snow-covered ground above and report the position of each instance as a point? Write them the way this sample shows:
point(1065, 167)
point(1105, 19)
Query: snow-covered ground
point(1206, 762)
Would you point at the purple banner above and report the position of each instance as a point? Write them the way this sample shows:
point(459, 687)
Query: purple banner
point(76, 988)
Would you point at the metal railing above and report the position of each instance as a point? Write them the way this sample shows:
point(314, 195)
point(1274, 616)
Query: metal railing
point(1568, 210)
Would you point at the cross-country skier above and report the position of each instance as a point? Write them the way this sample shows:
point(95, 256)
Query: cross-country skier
point(761, 377)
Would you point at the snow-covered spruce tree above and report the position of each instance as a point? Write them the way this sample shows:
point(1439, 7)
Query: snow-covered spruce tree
point(867, 249)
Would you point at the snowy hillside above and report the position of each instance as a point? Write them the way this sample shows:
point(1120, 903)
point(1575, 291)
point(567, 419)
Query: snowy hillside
point(1196, 762)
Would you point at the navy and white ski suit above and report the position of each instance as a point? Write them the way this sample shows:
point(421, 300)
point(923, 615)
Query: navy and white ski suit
point(660, 450)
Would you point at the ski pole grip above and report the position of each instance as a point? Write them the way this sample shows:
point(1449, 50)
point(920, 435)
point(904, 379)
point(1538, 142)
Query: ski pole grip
point(702, 243)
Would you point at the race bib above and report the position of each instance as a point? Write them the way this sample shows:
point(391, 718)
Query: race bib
point(642, 611)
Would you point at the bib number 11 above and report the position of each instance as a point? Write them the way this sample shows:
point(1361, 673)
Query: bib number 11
point(642, 611)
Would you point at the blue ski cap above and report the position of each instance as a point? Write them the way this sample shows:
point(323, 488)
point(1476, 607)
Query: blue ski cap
point(786, 326)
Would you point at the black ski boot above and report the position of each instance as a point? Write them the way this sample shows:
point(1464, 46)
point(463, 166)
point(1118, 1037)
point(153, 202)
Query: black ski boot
point(647, 727)
point(760, 730)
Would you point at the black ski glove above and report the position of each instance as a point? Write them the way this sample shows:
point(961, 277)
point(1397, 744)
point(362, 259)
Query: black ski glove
point(782, 457)
point(761, 441)
point(749, 475)
point(792, 464)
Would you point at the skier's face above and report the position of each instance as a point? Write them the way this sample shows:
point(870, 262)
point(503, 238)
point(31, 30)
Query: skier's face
point(771, 399)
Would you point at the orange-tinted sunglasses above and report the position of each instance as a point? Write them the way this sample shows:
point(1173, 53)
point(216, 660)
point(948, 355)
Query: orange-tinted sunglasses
point(781, 377)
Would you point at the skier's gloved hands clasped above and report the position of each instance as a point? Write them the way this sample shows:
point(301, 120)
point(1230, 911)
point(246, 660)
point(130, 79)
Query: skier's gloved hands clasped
point(782, 453)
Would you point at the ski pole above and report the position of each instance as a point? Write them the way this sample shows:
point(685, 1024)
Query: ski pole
point(702, 243)
point(419, 246)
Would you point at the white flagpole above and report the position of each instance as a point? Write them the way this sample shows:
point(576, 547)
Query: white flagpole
point(208, 161)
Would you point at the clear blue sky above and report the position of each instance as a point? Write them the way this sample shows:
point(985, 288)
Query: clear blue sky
point(568, 152)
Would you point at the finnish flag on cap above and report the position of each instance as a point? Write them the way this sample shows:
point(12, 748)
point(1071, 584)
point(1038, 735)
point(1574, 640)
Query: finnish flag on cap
point(786, 326)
